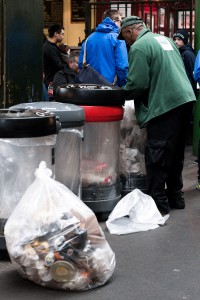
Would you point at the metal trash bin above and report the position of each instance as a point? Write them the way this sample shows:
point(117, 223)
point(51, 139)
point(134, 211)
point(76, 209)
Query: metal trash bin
point(26, 138)
point(100, 158)
point(68, 149)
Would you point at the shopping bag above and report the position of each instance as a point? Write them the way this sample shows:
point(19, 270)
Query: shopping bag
point(54, 239)
point(89, 75)
point(135, 212)
point(197, 68)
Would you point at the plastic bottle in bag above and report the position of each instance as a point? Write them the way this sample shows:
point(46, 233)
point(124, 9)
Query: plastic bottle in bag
point(50, 91)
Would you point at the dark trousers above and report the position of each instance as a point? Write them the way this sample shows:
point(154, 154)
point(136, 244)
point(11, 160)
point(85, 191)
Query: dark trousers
point(164, 154)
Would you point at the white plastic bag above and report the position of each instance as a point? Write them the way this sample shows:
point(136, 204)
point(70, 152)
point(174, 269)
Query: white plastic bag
point(135, 212)
point(54, 239)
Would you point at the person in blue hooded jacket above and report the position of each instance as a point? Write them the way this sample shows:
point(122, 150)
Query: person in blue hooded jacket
point(104, 52)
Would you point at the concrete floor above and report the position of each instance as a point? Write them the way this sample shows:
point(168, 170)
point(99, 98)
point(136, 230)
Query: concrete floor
point(160, 264)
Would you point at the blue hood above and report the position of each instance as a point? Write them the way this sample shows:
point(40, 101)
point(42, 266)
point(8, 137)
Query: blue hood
point(107, 25)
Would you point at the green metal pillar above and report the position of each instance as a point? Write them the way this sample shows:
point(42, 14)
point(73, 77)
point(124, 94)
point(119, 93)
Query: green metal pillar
point(21, 51)
point(196, 131)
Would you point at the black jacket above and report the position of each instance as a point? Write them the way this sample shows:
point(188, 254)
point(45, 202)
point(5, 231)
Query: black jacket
point(52, 61)
point(63, 77)
point(188, 56)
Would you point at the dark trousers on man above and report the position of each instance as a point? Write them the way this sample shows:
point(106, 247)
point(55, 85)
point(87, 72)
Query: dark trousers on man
point(164, 156)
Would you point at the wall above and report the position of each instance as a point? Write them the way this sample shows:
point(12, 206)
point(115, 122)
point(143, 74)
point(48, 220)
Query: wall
point(72, 30)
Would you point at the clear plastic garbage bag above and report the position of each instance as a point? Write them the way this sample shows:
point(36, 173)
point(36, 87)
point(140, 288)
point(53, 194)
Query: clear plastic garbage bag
point(132, 144)
point(54, 239)
point(135, 212)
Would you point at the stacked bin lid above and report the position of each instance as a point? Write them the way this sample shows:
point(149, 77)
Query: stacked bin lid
point(91, 94)
point(21, 123)
point(70, 115)
point(100, 103)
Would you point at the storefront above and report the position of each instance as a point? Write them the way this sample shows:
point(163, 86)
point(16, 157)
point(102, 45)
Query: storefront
point(79, 17)
point(163, 17)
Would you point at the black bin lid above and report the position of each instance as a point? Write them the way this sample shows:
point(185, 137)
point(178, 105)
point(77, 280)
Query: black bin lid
point(70, 115)
point(22, 123)
point(90, 94)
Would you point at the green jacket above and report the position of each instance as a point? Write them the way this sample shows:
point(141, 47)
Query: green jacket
point(156, 79)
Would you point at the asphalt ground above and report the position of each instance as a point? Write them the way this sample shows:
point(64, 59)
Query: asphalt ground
point(159, 264)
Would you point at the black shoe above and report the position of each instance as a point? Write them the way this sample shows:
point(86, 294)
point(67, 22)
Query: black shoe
point(177, 201)
point(162, 205)
point(163, 213)
point(163, 208)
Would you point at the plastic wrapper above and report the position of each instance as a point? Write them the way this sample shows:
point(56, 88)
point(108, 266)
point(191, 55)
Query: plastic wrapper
point(54, 239)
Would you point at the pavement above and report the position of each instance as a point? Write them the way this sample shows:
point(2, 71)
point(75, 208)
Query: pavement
point(159, 264)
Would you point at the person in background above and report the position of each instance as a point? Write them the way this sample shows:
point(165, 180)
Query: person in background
point(45, 96)
point(180, 38)
point(197, 79)
point(87, 34)
point(52, 56)
point(68, 74)
point(163, 98)
point(65, 51)
point(188, 55)
point(104, 52)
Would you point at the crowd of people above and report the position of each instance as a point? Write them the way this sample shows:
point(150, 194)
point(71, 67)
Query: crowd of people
point(156, 72)
point(105, 53)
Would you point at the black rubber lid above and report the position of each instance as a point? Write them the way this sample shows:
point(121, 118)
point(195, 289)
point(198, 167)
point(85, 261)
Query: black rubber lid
point(90, 94)
point(21, 123)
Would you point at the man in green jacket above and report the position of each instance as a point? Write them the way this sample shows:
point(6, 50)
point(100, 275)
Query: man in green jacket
point(163, 99)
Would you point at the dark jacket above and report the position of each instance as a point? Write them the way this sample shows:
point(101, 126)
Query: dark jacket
point(52, 61)
point(63, 77)
point(188, 56)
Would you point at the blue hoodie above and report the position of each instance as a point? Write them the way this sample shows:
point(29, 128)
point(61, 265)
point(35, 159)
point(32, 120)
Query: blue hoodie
point(106, 54)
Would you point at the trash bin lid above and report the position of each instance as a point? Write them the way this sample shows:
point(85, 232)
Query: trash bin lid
point(23, 123)
point(103, 113)
point(90, 94)
point(70, 115)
